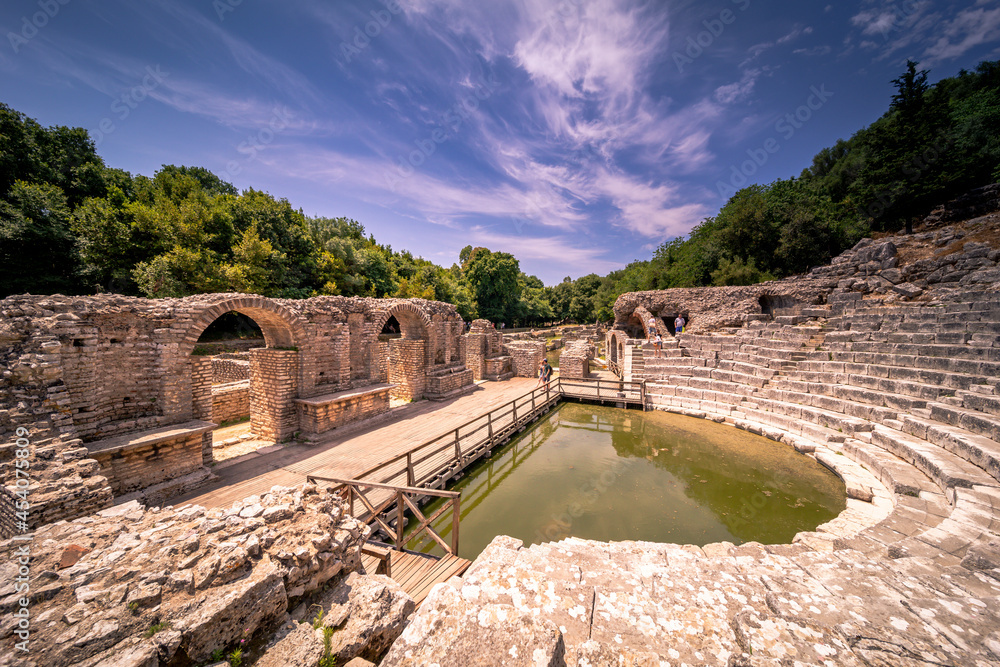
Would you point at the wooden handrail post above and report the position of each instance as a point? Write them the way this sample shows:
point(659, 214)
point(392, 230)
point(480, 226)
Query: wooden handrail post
point(410, 476)
point(455, 520)
point(513, 405)
point(399, 521)
point(458, 447)
point(489, 426)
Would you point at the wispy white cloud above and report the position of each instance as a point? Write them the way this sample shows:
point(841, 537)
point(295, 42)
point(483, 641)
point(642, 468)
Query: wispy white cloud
point(739, 90)
point(757, 50)
point(923, 30)
point(969, 29)
point(650, 210)
point(552, 250)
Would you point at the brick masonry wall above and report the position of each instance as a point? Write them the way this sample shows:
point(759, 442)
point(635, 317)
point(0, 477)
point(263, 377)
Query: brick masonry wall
point(527, 356)
point(202, 372)
point(273, 388)
point(230, 370)
point(80, 370)
point(574, 362)
point(315, 419)
point(381, 364)
point(445, 382)
point(498, 367)
point(407, 368)
point(230, 402)
point(140, 467)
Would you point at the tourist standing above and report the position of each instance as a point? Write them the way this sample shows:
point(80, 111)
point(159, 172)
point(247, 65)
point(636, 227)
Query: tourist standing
point(679, 324)
point(658, 345)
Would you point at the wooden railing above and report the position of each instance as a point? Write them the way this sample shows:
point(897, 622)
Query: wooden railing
point(433, 463)
point(615, 368)
point(372, 510)
point(424, 469)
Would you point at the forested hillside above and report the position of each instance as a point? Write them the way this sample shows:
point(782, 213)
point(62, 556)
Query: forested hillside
point(71, 224)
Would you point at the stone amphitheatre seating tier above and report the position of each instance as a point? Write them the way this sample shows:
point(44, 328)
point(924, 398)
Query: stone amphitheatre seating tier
point(920, 411)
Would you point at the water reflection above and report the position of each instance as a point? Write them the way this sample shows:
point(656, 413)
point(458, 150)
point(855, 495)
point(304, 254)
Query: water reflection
point(608, 474)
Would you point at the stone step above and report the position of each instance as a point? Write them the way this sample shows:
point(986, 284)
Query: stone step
point(945, 468)
point(759, 411)
point(897, 475)
point(850, 393)
point(828, 419)
point(980, 400)
point(981, 451)
point(850, 401)
point(977, 422)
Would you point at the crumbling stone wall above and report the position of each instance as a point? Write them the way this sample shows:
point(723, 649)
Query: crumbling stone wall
point(869, 269)
point(574, 362)
point(97, 368)
point(482, 351)
point(527, 356)
point(226, 369)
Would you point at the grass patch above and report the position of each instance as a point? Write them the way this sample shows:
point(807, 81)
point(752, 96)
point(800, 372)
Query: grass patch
point(154, 628)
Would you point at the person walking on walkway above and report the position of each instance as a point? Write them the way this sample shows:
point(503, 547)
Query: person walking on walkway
point(544, 373)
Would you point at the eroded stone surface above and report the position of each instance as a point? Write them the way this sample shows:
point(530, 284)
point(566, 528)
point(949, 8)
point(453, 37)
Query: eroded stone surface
point(205, 580)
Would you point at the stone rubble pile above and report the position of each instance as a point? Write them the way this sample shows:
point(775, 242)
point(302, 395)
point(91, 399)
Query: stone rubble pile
point(131, 586)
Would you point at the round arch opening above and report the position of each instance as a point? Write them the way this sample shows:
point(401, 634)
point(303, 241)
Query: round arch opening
point(244, 374)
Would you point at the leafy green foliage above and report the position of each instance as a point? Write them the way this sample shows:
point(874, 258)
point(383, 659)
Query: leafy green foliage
point(70, 224)
point(493, 277)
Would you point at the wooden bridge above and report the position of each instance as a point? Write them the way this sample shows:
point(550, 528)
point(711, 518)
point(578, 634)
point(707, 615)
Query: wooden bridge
point(383, 495)
point(431, 464)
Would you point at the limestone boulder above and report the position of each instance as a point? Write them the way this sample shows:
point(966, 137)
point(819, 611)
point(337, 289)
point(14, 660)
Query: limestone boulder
point(297, 644)
point(222, 617)
point(376, 610)
point(130, 582)
point(451, 631)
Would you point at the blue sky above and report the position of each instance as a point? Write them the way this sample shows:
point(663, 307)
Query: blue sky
point(576, 134)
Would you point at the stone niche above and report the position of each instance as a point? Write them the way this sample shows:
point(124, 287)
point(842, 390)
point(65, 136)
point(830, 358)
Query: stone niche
point(112, 382)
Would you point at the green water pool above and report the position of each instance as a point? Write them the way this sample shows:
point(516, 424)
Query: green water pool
point(610, 474)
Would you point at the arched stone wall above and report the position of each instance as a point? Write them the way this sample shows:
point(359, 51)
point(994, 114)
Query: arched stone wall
point(187, 390)
point(280, 326)
point(409, 357)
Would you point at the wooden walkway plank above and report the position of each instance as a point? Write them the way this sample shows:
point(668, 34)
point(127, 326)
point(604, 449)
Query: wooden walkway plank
point(348, 456)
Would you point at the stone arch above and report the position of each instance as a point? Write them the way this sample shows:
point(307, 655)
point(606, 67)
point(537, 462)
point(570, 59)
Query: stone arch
point(414, 323)
point(276, 370)
point(280, 326)
point(616, 344)
point(412, 355)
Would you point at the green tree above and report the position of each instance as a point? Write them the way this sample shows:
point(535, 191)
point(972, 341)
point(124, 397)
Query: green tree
point(37, 252)
point(494, 280)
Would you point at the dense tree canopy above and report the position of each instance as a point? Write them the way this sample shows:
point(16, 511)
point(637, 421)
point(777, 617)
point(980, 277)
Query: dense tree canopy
point(70, 224)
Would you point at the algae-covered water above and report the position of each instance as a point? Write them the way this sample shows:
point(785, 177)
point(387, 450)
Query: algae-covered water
point(609, 474)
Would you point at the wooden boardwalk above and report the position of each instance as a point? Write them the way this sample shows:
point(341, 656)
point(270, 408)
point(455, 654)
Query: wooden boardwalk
point(346, 456)
point(418, 445)
point(417, 573)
